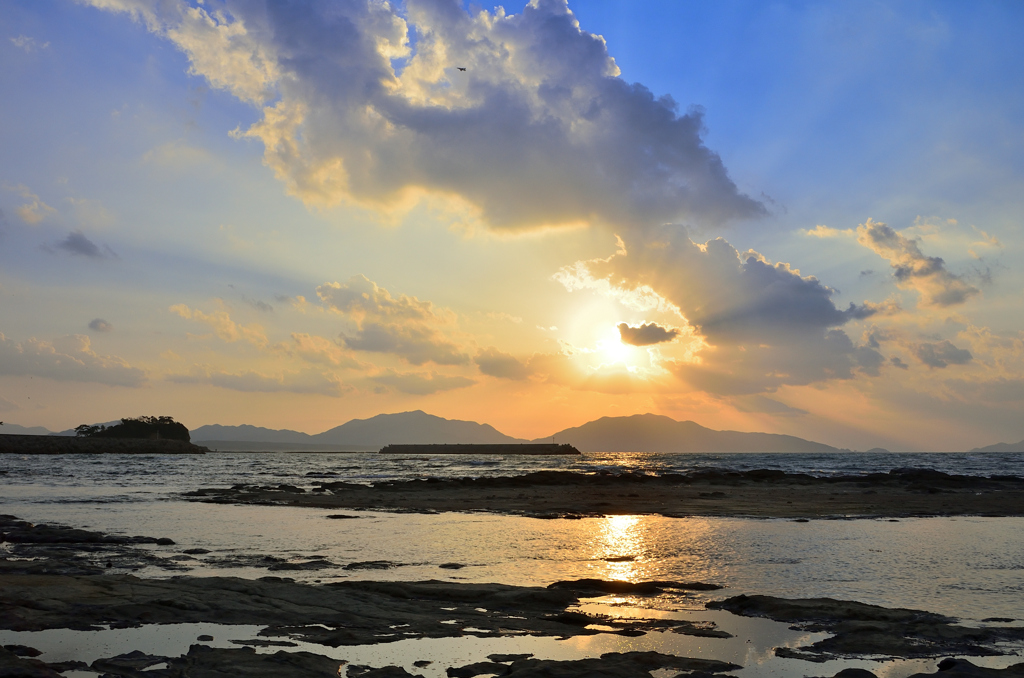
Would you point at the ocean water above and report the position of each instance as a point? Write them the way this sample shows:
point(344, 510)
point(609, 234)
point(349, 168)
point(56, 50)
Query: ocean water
point(967, 567)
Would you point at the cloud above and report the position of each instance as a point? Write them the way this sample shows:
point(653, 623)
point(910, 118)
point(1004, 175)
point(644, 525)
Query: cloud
point(402, 325)
point(646, 335)
point(896, 362)
point(539, 112)
point(763, 325)
point(1000, 390)
point(494, 363)
point(29, 44)
point(421, 384)
point(7, 405)
point(765, 405)
point(417, 344)
point(941, 354)
point(912, 269)
point(360, 298)
point(100, 325)
point(821, 231)
point(78, 245)
point(305, 381)
point(69, 358)
point(316, 349)
point(223, 326)
point(35, 210)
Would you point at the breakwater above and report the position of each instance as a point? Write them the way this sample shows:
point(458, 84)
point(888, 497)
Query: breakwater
point(21, 444)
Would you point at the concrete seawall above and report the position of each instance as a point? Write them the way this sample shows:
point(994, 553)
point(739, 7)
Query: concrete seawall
point(18, 444)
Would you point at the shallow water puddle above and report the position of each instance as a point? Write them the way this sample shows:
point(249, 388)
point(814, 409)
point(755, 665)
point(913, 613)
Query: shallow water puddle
point(752, 646)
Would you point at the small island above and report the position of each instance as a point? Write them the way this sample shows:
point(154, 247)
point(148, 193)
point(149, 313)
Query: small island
point(472, 448)
point(134, 435)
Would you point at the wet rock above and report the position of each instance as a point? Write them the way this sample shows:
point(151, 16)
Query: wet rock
point(129, 665)
point(479, 668)
point(860, 629)
point(208, 662)
point(196, 552)
point(341, 516)
point(23, 650)
point(18, 667)
point(316, 564)
point(961, 668)
point(205, 638)
point(609, 665)
point(505, 658)
point(949, 668)
point(451, 566)
point(372, 565)
point(262, 642)
point(17, 531)
point(571, 495)
point(855, 673)
point(644, 588)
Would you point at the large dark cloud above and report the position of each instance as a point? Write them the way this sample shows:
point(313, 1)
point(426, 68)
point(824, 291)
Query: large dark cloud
point(647, 334)
point(538, 130)
point(766, 325)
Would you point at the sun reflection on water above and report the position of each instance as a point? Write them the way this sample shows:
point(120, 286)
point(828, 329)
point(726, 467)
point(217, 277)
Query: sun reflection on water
point(620, 542)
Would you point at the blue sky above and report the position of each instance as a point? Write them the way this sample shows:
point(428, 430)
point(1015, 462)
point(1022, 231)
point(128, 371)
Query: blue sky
point(130, 188)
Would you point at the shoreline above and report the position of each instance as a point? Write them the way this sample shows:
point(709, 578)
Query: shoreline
point(755, 494)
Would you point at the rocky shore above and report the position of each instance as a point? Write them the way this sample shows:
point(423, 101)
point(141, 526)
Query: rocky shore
point(561, 494)
point(23, 444)
point(54, 577)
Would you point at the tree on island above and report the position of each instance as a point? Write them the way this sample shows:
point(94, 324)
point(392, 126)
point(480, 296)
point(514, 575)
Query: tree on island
point(155, 428)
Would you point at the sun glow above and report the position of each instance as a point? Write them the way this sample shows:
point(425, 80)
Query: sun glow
point(613, 351)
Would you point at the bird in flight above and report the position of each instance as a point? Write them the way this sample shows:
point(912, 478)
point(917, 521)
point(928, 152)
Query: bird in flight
point(461, 68)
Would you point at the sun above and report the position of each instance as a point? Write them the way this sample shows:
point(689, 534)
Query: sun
point(613, 351)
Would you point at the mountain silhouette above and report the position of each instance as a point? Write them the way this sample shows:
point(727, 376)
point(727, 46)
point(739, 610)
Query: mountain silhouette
point(657, 433)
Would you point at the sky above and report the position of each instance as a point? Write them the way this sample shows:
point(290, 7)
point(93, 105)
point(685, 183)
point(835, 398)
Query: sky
point(792, 217)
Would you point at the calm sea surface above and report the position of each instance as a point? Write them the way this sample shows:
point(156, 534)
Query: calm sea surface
point(968, 567)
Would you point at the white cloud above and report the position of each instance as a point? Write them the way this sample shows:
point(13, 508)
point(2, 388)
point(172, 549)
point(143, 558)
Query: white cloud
point(305, 381)
point(35, 210)
point(223, 326)
point(539, 111)
point(912, 268)
point(821, 231)
point(420, 383)
point(29, 44)
point(69, 358)
point(402, 325)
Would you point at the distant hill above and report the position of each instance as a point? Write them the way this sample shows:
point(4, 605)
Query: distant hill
point(1002, 447)
point(15, 430)
point(375, 432)
point(656, 433)
point(411, 428)
point(248, 433)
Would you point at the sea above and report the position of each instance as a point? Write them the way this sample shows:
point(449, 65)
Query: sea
point(968, 567)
